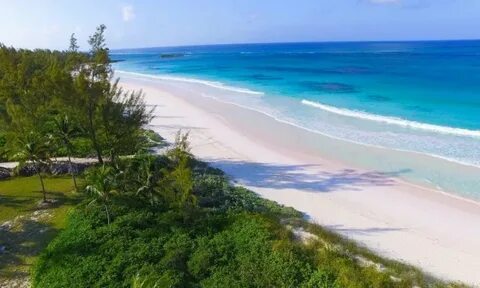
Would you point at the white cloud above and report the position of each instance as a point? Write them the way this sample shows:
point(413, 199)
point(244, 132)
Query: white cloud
point(128, 14)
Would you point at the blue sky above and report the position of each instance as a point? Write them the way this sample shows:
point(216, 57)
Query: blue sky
point(149, 23)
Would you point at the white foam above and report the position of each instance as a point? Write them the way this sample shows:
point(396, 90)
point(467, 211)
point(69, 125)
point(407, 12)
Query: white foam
point(327, 108)
point(394, 121)
point(281, 120)
point(214, 84)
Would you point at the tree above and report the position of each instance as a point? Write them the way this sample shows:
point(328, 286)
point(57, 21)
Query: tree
point(177, 184)
point(182, 184)
point(123, 117)
point(147, 179)
point(181, 147)
point(26, 96)
point(33, 148)
point(73, 44)
point(100, 68)
point(101, 185)
point(64, 131)
point(3, 148)
point(75, 59)
point(112, 117)
point(93, 87)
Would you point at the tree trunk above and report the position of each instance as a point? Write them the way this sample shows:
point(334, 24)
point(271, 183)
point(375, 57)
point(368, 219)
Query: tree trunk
point(73, 173)
point(39, 171)
point(95, 143)
point(93, 135)
point(108, 214)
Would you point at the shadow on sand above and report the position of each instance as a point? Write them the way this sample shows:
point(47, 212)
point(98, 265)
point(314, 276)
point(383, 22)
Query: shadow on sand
point(361, 231)
point(310, 178)
point(313, 179)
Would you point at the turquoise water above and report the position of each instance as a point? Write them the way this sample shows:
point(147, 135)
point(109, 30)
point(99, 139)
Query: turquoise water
point(412, 96)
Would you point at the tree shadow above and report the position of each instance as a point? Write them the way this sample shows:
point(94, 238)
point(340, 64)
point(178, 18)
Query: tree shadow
point(361, 231)
point(24, 240)
point(167, 117)
point(24, 201)
point(310, 178)
point(177, 127)
point(16, 202)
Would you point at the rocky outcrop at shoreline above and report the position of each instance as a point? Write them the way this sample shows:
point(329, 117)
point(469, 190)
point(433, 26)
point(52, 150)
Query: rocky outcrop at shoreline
point(5, 173)
point(54, 168)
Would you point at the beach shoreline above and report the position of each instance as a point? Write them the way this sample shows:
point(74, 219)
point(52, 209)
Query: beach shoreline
point(453, 177)
point(431, 230)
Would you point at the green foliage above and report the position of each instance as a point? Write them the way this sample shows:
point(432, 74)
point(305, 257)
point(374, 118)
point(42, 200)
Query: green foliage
point(230, 238)
point(63, 104)
point(32, 147)
point(177, 185)
point(64, 131)
point(322, 279)
point(42, 87)
point(146, 180)
point(167, 221)
point(164, 249)
point(73, 44)
point(3, 148)
point(101, 185)
point(122, 117)
point(152, 139)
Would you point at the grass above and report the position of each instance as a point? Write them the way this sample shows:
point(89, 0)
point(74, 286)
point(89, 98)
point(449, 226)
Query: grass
point(20, 195)
point(30, 227)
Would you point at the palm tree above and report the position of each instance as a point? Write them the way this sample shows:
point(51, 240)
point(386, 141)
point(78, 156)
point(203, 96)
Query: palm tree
point(64, 131)
point(139, 281)
point(101, 186)
point(147, 180)
point(33, 148)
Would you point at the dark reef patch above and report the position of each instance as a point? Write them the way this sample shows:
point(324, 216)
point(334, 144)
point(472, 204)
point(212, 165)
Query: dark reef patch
point(330, 87)
point(379, 98)
point(187, 69)
point(288, 69)
point(418, 108)
point(171, 55)
point(337, 71)
point(262, 77)
point(350, 70)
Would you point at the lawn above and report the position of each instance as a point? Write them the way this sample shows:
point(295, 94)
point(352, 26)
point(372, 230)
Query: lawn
point(25, 228)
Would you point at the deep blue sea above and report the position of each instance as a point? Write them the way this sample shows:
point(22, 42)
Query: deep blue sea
point(415, 96)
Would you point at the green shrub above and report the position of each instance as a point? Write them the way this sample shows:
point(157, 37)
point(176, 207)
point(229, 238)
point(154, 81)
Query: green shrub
point(3, 152)
point(233, 238)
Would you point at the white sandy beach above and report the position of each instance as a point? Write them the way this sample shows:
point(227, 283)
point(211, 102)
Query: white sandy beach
point(426, 228)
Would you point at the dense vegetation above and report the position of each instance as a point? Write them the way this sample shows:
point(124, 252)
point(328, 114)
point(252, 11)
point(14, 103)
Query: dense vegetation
point(170, 221)
point(156, 221)
point(66, 104)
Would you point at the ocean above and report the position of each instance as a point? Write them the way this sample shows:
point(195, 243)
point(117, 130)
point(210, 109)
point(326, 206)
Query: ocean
point(420, 97)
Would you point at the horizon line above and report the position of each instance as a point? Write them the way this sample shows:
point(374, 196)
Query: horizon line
point(296, 42)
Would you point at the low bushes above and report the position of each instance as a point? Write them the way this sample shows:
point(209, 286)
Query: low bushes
point(175, 222)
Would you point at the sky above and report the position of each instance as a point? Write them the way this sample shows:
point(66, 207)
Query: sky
point(149, 23)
